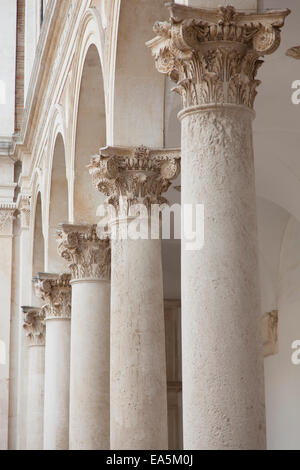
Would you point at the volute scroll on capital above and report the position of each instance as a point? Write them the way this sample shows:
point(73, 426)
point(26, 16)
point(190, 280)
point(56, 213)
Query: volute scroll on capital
point(139, 174)
point(87, 255)
point(213, 55)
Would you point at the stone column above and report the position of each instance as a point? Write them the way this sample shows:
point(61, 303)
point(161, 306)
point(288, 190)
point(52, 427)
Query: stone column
point(89, 261)
point(213, 56)
point(34, 324)
point(138, 363)
point(55, 291)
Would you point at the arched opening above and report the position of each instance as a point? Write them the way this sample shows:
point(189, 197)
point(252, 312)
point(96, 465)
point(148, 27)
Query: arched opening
point(58, 211)
point(90, 136)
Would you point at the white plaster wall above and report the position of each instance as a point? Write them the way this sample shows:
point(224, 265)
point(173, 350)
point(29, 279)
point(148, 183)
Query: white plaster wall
point(8, 20)
point(282, 378)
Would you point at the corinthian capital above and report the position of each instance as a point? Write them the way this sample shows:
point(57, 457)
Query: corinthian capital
point(7, 213)
point(141, 174)
point(34, 324)
point(55, 291)
point(88, 256)
point(213, 55)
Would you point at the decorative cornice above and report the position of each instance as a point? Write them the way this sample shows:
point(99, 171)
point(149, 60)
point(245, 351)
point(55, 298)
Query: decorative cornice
point(88, 256)
point(140, 174)
point(55, 291)
point(213, 55)
point(294, 52)
point(34, 324)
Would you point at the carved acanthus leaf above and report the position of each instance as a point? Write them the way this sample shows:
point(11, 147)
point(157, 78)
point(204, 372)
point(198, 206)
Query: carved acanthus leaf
point(55, 291)
point(141, 175)
point(88, 257)
point(34, 324)
point(213, 55)
point(7, 213)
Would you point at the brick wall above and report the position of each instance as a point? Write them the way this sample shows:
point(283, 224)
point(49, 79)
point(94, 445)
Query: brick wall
point(19, 95)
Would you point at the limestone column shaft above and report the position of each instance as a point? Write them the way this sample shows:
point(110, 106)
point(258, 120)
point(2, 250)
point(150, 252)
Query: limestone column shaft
point(213, 57)
point(55, 291)
point(34, 325)
point(88, 258)
point(138, 365)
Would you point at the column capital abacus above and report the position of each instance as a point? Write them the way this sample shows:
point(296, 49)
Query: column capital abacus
point(55, 291)
point(34, 324)
point(87, 255)
point(138, 174)
point(213, 55)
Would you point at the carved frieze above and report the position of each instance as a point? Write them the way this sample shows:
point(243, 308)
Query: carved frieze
point(213, 55)
point(55, 291)
point(88, 257)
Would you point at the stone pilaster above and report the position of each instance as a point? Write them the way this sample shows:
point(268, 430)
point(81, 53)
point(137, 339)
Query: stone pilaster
point(138, 388)
point(213, 57)
point(88, 259)
point(34, 325)
point(55, 291)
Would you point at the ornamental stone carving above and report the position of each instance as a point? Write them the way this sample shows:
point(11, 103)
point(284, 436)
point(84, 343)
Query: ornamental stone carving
point(7, 213)
point(55, 291)
point(23, 205)
point(270, 333)
point(34, 324)
point(294, 52)
point(88, 257)
point(141, 174)
point(213, 55)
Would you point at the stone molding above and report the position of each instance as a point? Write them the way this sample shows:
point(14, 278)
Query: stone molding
point(87, 255)
point(139, 174)
point(213, 55)
point(34, 325)
point(55, 291)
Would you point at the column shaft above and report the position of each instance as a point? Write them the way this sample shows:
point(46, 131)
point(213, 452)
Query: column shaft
point(89, 387)
point(213, 57)
point(57, 384)
point(55, 291)
point(35, 401)
point(130, 176)
point(88, 258)
point(223, 391)
point(138, 363)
